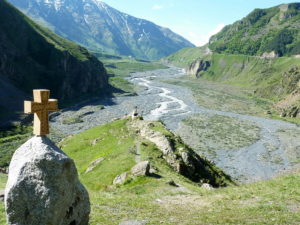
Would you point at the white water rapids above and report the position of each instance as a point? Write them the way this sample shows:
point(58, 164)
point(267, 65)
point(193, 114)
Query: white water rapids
point(169, 104)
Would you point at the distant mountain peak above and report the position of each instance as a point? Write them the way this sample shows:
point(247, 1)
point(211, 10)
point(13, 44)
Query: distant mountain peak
point(99, 27)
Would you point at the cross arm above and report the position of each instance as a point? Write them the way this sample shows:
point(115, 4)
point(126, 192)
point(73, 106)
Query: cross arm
point(52, 105)
point(28, 107)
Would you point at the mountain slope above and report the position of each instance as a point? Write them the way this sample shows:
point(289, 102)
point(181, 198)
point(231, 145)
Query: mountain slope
point(41, 59)
point(99, 27)
point(261, 51)
point(263, 30)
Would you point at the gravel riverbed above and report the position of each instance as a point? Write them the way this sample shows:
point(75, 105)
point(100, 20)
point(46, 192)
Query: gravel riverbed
point(171, 104)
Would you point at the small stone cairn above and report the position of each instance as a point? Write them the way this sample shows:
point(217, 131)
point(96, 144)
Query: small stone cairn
point(135, 114)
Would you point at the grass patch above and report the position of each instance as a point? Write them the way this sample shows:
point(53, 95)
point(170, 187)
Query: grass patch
point(122, 84)
point(159, 126)
point(72, 120)
point(120, 67)
point(226, 97)
point(212, 133)
point(267, 202)
point(10, 139)
point(3, 179)
point(124, 66)
point(114, 144)
point(186, 56)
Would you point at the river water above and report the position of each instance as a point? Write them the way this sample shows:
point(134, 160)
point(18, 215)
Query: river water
point(157, 100)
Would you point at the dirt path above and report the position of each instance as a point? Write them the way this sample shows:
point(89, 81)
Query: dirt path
point(138, 152)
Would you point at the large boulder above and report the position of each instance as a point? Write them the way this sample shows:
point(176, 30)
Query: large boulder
point(43, 187)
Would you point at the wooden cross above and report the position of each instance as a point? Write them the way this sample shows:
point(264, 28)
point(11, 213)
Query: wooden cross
point(40, 106)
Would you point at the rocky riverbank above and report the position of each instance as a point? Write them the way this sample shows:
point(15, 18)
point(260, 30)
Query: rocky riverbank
point(267, 154)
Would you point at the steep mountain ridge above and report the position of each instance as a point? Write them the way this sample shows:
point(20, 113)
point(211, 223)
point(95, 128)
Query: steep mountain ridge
point(99, 27)
point(41, 59)
point(274, 29)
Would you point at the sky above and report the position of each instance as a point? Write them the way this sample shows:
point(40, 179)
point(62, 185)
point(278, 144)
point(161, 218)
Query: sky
point(195, 20)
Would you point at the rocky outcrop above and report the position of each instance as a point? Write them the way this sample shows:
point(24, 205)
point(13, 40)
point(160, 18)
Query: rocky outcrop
point(270, 55)
point(43, 187)
point(198, 67)
point(290, 86)
point(179, 156)
point(292, 112)
point(161, 141)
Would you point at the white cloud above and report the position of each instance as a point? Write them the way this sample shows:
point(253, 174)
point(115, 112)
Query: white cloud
point(157, 7)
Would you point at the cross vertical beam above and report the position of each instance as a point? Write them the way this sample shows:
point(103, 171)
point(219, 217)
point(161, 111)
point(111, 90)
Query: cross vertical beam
point(40, 106)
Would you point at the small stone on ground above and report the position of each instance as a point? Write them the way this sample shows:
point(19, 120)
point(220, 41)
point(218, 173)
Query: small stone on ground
point(141, 169)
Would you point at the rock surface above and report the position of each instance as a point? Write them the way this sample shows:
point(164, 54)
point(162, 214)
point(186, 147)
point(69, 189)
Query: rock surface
point(141, 169)
point(94, 164)
point(198, 66)
point(207, 186)
point(182, 159)
point(43, 187)
point(270, 55)
point(120, 179)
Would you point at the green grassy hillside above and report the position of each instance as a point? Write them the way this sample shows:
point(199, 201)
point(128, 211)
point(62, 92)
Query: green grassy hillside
point(236, 56)
point(273, 79)
point(263, 30)
point(118, 144)
point(154, 200)
point(186, 56)
point(266, 75)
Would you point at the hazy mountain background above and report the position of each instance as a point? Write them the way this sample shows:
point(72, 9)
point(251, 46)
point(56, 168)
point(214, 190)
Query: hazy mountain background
point(99, 27)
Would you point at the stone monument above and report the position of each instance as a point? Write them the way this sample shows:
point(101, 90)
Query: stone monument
point(135, 113)
point(43, 186)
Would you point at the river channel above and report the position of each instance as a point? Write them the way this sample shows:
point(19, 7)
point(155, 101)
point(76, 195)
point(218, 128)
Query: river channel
point(157, 100)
